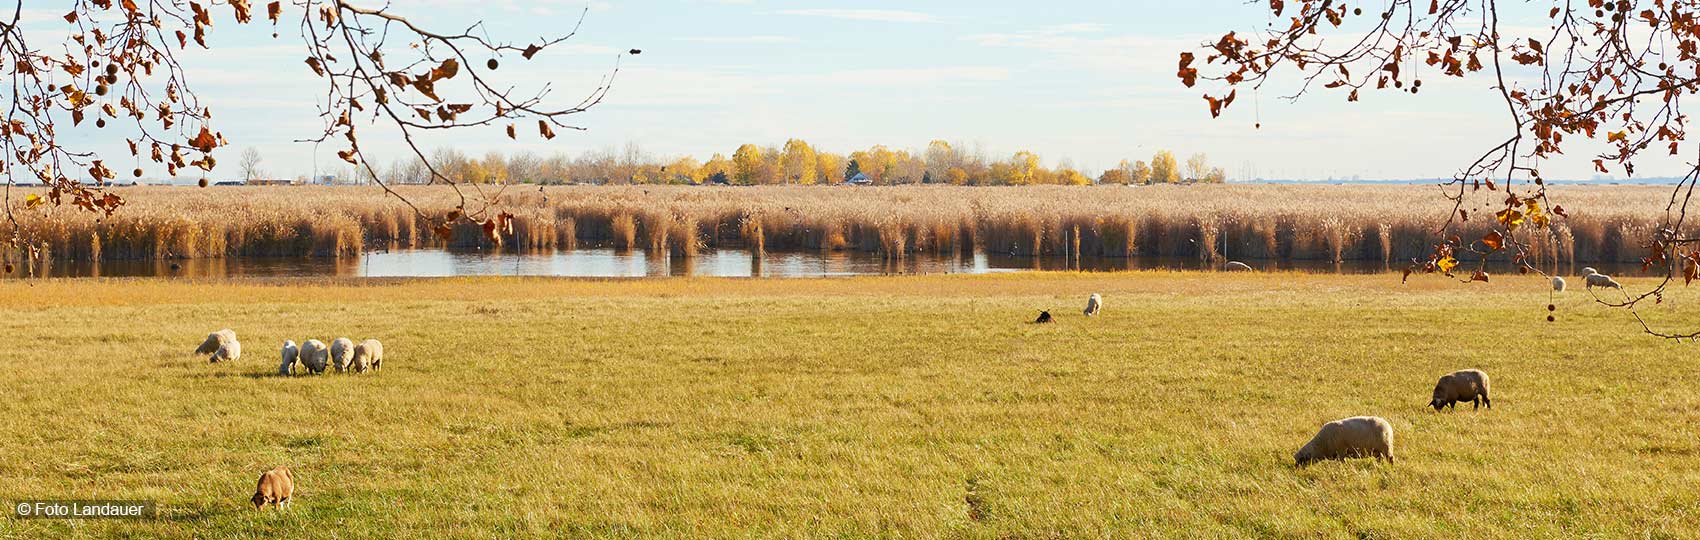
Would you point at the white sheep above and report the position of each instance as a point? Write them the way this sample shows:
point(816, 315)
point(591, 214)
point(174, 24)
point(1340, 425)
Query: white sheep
point(1595, 279)
point(313, 356)
point(1094, 304)
point(1236, 266)
point(1557, 284)
point(291, 353)
point(368, 354)
point(1349, 437)
point(342, 352)
point(222, 345)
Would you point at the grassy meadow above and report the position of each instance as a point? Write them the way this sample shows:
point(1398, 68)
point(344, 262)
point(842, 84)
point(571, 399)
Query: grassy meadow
point(912, 407)
point(1387, 224)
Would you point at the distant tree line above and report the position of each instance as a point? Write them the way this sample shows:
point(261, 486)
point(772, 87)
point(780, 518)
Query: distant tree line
point(796, 162)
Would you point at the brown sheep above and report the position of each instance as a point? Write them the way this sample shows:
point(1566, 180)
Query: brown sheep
point(276, 487)
point(1358, 436)
point(1465, 385)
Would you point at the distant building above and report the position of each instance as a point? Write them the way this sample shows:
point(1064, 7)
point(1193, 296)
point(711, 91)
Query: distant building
point(270, 182)
point(228, 183)
point(859, 180)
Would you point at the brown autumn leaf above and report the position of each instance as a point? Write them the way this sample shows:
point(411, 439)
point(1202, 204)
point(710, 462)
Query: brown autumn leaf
point(1494, 241)
point(543, 128)
point(447, 70)
point(274, 10)
point(1690, 267)
point(1217, 105)
point(313, 62)
point(444, 231)
point(530, 50)
point(511, 131)
point(489, 226)
point(1187, 74)
point(204, 141)
point(347, 155)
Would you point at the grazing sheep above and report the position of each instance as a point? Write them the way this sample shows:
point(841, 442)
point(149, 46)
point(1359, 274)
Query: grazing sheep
point(368, 354)
point(1557, 284)
point(1044, 317)
point(1464, 385)
point(276, 486)
point(291, 353)
point(313, 356)
point(1595, 279)
point(1237, 266)
point(1094, 303)
point(1349, 437)
point(222, 345)
point(342, 352)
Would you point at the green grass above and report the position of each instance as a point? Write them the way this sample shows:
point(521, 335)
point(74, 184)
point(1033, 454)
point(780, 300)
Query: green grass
point(910, 407)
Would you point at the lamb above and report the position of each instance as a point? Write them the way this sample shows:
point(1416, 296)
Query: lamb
point(313, 356)
point(1236, 266)
point(1595, 279)
point(1557, 284)
point(276, 486)
point(342, 350)
point(1357, 436)
point(1464, 385)
point(222, 345)
point(1094, 303)
point(291, 353)
point(368, 354)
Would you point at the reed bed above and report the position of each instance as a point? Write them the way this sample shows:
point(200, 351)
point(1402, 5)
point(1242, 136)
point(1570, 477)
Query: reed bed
point(1210, 223)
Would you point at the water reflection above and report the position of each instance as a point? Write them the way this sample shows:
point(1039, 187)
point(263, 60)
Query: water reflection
point(607, 262)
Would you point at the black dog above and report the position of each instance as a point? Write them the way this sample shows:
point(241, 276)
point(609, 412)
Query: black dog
point(1044, 317)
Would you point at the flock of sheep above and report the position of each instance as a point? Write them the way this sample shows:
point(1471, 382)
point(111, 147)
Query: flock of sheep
point(1372, 436)
point(1358, 436)
point(342, 354)
point(276, 486)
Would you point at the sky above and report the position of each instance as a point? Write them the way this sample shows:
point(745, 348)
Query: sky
point(1081, 82)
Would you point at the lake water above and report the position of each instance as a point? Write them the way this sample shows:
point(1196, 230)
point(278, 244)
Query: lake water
point(607, 262)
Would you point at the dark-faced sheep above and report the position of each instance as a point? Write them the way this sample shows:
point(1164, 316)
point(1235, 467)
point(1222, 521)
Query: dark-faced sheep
point(1465, 385)
point(342, 352)
point(291, 353)
point(314, 355)
point(1358, 436)
point(276, 487)
point(222, 345)
point(368, 354)
point(1094, 304)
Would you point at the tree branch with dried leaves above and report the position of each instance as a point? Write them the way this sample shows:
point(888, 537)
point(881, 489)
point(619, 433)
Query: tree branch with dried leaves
point(1612, 71)
point(120, 66)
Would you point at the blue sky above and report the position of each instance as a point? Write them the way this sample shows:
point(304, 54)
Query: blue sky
point(1090, 82)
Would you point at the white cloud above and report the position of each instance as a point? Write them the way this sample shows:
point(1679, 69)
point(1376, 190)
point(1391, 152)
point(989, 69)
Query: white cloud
point(881, 15)
point(1073, 28)
point(738, 39)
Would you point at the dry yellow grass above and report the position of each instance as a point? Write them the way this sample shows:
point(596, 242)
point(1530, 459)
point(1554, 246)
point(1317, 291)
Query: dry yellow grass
point(912, 407)
point(1330, 223)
